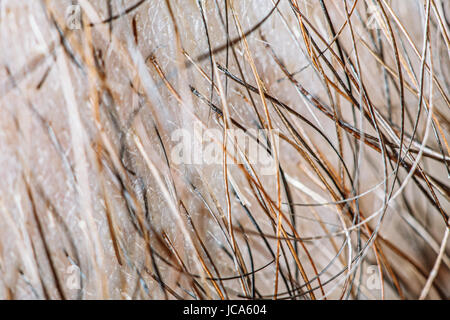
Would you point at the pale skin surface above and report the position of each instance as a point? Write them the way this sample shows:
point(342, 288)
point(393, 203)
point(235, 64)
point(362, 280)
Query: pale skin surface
point(94, 202)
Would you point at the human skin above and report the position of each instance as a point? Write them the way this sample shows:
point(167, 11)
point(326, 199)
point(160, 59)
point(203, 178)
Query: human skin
point(95, 204)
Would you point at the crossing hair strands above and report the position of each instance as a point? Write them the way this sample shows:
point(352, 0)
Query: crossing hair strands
point(136, 140)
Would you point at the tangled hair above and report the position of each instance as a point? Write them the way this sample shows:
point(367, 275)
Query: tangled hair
point(108, 109)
